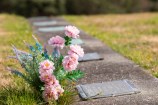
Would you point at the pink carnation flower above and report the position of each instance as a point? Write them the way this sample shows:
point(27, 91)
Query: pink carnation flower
point(52, 92)
point(57, 41)
point(46, 65)
point(70, 62)
point(48, 71)
point(77, 50)
point(72, 31)
point(59, 89)
point(48, 78)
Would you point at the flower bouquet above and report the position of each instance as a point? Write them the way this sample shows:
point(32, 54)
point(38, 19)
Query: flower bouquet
point(47, 73)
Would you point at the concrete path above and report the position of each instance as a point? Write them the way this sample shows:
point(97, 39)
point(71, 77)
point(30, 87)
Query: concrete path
point(113, 67)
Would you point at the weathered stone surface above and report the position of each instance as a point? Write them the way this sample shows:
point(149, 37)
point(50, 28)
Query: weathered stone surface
point(51, 29)
point(106, 89)
point(113, 67)
point(45, 23)
point(76, 41)
point(90, 57)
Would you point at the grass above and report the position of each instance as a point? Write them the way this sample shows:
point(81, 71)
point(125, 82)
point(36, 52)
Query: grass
point(13, 90)
point(13, 30)
point(133, 35)
point(19, 93)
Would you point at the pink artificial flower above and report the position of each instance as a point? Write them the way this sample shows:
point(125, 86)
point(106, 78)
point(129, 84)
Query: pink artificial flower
point(50, 93)
point(77, 50)
point(57, 41)
point(72, 31)
point(70, 62)
point(48, 71)
point(59, 89)
point(48, 78)
point(46, 65)
point(74, 57)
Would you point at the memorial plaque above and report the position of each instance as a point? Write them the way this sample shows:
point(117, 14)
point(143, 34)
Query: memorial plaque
point(45, 23)
point(76, 41)
point(90, 57)
point(106, 89)
point(51, 29)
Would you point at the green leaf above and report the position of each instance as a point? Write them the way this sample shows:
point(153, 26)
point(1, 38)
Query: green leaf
point(60, 74)
point(67, 40)
point(42, 88)
point(60, 59)
point(74, 75)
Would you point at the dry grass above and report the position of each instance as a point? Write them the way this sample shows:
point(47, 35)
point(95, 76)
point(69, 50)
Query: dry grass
point(133, 35)
point(13, 30)
point(4, 75)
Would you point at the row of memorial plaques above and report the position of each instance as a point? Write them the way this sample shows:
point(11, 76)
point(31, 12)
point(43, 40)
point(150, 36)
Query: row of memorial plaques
point(95, 90)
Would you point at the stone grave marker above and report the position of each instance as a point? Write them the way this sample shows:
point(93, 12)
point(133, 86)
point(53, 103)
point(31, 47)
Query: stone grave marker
point(106, 89)
point(90, 57)
point(45, 23)
point(51, 29)
point(76, 41)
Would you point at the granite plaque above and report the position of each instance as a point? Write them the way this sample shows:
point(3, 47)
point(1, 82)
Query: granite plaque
point(106, 89)
point(76, 41)
point(45, 23)
point(51, 29)
point(90, 57)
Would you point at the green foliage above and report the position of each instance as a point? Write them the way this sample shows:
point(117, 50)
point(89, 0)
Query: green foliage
point(57, 7)
point(67, 40)
point(60, 6)
point(74, 75)
point(60, 74)
point(37, 7)
point(105, 6)
point(31, 65)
